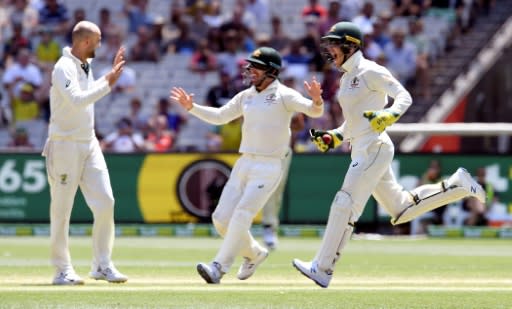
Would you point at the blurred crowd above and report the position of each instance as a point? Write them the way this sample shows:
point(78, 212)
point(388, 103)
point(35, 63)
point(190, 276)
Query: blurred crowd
point(216, 39)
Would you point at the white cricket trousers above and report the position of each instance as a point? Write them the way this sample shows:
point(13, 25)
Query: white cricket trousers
point(370, 173)
point(275, 202)
point(71, 164)
point(253, 179)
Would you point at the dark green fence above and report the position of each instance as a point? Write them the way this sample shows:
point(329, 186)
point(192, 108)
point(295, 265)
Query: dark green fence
point(176, 188)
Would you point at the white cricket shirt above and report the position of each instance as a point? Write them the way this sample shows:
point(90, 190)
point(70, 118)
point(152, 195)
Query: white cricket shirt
point(72, 97)
point(366, 85)
point(267, 116)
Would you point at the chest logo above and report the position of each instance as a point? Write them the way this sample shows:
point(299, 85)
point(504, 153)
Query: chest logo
point(271, 99)
point(354, 83)
point(68, 82)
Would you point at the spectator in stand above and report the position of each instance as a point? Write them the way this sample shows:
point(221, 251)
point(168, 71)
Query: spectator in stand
point(330, 84)
point(20, 141)
point(78, 16)
point(231, 134)
point(107, 27)
point(24, 106)
point(171, 30)
point(213, 16)
point(175, 119)
point(184, 43)
point(20, 72)
point(14, 44)
point(401, 57)
point(311, 40)
point(159, 138)
point(123, 140)
point(349, 9)
point(138, 118)
point(55, 16)
point(422, 43)
point(4, 19)
point(241, 20)
point(371, 50)
point(192, 5)
point(229, 57)
point(214, 38)
point(408, 8)
point(144, 49)
point(137, 15)
point(333, 16)
point(314, 9)
point(220, 94)
point(259, 9)
point(365, 19)
point(48, 50)
point(379, 34)
point(156, 32)
point(203, 59)
point(298, 59)
point(279, 40)
point(200, 28)
point(22, 13)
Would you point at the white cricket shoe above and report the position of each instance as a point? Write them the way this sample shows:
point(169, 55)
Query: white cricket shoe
point(110, 274)
point(249, 266)
point(270, 237)
point(463, 178)
point(211, 273)
point(310, 270)
point(67, 277)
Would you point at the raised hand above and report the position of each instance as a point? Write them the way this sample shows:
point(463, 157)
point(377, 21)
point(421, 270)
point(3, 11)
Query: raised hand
point(117, 67)
point(314, 90)
point(182, 97)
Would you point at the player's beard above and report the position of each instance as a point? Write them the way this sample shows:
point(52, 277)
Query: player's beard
point(247, 79)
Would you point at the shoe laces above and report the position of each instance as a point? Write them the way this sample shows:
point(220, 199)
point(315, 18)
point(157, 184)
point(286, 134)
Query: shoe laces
point(247, 263)
point(218, 267)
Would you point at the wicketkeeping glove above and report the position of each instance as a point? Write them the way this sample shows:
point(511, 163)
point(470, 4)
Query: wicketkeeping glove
point(325, 140)
point(381, 119)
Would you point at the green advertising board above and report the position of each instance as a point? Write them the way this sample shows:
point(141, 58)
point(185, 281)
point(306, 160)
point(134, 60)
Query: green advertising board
point(183, 188)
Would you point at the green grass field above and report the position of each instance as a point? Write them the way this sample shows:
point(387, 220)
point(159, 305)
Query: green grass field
point(391, 273)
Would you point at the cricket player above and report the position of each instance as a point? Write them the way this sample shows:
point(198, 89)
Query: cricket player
point(364, 87)
point(267, 107)
point(74, 158)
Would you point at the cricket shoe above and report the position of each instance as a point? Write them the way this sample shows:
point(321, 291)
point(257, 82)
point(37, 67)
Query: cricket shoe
point(211, 273)
point(110, 274)
point(270, 237)
point(310, 270)
point(462, 178)
point(249, 266)
point(67, 277)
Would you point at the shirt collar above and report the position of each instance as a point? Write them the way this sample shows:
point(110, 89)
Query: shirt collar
point(352, 62)
point(66, 51)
